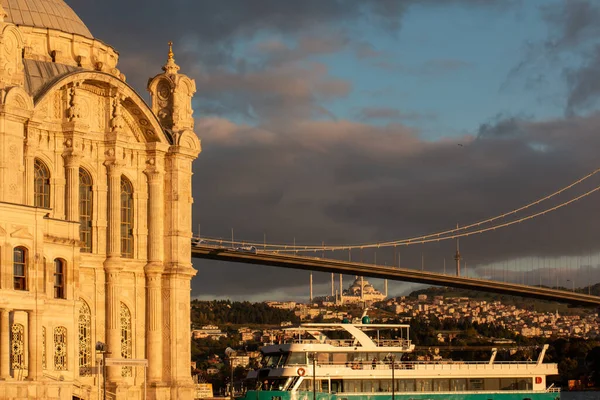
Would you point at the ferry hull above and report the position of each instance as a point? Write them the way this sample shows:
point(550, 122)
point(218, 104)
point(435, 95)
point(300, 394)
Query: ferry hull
point(277, 395)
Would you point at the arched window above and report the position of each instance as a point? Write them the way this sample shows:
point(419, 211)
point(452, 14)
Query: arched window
point(126, 218)
point(59, 278)
point(85, 210)
point(41, 185)
point(44, 347)
point(60, 348)
point(85, 340)
point(17, 347)
point(126, 338)
point(20, 268)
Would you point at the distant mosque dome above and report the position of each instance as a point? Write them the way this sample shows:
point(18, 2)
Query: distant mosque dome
point(51, 14)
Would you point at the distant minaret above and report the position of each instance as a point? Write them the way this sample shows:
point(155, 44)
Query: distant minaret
point(457, 256)
point(332, 284)
point(311, 292)
point(362, 288)
point(385, 286)
point(341, 291)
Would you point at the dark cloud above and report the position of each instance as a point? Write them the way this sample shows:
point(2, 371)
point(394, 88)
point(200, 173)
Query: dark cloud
point(297, 172)
point(345, 182)
point(573, 44)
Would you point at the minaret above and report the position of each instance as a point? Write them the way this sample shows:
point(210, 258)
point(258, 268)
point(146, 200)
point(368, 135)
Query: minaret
point(332, 286)
point(310, 290)
point(457, 256)
point(169, 271)
point(362, 288)
point(341, 291)
point(385, 286)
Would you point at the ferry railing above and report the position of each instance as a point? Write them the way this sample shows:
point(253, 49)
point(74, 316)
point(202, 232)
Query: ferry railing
point(434, 365)
point(397, 343)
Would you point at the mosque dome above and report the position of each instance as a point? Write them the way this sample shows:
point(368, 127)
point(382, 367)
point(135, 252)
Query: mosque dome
point(51, 14)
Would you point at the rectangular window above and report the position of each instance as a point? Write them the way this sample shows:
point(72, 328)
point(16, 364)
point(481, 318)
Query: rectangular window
point(352, 386)
point(296, 358)
point(475, 384)
point(59, 279)
point(441, 385)
point(20, 269)
point(458, 385)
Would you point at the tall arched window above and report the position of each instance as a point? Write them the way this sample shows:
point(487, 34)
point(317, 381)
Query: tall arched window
point(41, 185)
point(59, 278)
point(17, 347)
point(20, 268)
point(126, 218)
point(85, 210)
point(126, 338)
point(60, 348)
point(85, 340)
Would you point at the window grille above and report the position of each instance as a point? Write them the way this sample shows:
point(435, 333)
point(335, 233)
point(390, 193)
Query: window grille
point(85, 340)
point(17, 347)
point(126, 338)
point(60, 348)
point(44, 348)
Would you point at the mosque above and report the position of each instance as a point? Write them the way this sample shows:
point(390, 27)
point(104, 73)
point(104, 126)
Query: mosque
point(95, 215)
point(362, 291)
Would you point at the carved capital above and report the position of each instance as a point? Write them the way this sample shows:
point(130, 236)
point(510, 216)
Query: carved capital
point(72, 160)
point(114, 167)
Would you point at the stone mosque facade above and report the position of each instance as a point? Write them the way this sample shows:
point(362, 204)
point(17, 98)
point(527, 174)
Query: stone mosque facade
point(95, 215)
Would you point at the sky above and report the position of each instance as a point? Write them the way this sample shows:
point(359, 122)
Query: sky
point(361, 121)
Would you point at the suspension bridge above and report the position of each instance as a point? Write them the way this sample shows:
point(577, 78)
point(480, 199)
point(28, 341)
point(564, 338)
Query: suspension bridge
point(288, 255)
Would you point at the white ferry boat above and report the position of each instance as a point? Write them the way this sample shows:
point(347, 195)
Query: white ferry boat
point(343, 361)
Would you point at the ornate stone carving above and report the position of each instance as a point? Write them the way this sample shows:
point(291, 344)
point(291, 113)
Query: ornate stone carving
point(75, 110)
point(117, 122)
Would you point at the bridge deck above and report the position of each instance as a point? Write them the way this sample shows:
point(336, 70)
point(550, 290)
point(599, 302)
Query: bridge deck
point(391, 273)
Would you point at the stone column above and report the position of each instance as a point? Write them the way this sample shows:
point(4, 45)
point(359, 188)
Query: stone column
point(34, 346)
point(112, 267)
point(154, 270)
point(4, 344)
point(72, 189)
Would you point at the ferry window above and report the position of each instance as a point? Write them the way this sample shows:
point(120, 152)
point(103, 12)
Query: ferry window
point(297, 358)
point(475, 384)
point(406, 385)
point(524, 384)
point(491, 384)
point(339, 358)
point(305, 385)
point(508, 384)
point(441, 385)
point(424, 385)
point(367, 386)
point(336, 386)
point(385, 386)
point(458, 385)
point(351, 386)
point(323, 358)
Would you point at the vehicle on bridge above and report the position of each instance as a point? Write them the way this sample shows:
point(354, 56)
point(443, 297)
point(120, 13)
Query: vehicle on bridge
point(343, 361)
point(197, 242)
point(246, 249)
